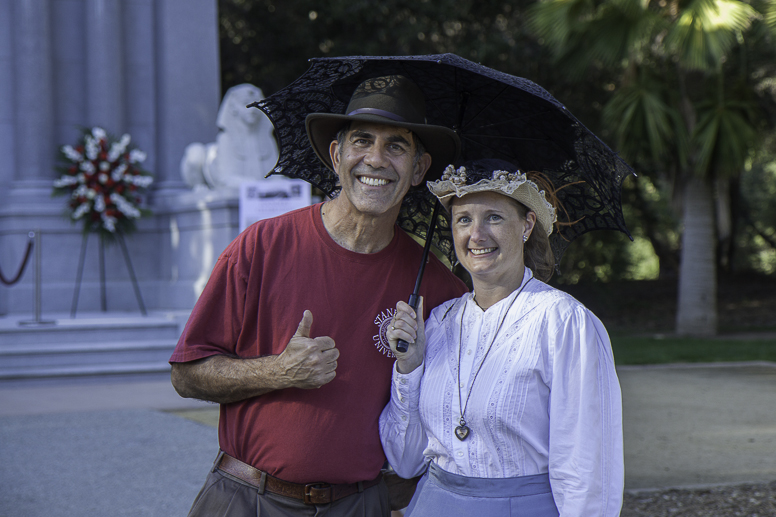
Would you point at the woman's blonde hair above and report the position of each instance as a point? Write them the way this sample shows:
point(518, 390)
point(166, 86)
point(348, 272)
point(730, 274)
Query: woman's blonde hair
point(537, 252)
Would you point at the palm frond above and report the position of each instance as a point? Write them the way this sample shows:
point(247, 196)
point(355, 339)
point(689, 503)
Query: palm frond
point(618, 27)
point(645, 124)
point(556, 20)
point(706, 30)
point(770, 16)
point(724, 135)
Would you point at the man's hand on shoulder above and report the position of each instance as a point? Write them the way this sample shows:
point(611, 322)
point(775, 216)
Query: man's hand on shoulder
point(307, 362)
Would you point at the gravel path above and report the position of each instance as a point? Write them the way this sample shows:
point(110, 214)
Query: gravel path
point(750, 500)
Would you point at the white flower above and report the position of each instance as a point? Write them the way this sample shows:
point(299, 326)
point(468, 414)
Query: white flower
point(72, 154)
point(87, 167)
point(99, 133)
point(91, 193)
point(82, 210)
point(102, 178)
point(108, 222)
point(99, 203)
point(140, 181)
point(80, 191)
point(118, 172)
point(91, 147)
point(136, 156)
point(124, 206)
point(65, 181)
point(118, 148)
point(104, 166)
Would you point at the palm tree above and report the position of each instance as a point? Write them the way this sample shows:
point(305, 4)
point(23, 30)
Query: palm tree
point(674, 112)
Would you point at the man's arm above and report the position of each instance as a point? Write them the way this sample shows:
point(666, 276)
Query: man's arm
point(305, 363)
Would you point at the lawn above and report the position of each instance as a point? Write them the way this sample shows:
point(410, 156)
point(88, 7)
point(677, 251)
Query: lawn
point(630, 350)
point(640, 318)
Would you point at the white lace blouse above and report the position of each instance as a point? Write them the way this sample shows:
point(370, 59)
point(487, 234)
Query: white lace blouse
point(546, 398)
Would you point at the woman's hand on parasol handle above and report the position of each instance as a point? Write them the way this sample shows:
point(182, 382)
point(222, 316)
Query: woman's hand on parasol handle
point(402, 345)
point(407, 325)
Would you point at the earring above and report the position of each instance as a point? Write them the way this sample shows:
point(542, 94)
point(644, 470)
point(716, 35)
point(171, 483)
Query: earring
point(525, 238)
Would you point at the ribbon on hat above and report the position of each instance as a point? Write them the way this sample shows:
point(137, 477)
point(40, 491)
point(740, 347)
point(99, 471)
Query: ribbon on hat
point(375, 111)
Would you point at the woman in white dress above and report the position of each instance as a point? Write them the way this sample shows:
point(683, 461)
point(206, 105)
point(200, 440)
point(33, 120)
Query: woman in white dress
point(507, 400)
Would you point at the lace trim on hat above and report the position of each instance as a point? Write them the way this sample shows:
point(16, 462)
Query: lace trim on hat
point(453, 182)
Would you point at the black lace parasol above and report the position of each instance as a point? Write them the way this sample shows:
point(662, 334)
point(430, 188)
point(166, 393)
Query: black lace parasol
point(496, 115)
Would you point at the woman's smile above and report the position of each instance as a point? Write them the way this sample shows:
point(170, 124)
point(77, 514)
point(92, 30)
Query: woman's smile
point(481, 251)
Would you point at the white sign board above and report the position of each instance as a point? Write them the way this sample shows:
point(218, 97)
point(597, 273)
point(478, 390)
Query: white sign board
point(271, 197)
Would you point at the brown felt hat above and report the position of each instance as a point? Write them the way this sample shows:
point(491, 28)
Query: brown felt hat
point(392, 100)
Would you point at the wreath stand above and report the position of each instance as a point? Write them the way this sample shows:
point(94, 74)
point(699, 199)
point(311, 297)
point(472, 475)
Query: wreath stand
point(103, 297)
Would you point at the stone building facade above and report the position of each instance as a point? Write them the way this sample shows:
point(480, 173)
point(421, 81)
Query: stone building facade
point(149, 68)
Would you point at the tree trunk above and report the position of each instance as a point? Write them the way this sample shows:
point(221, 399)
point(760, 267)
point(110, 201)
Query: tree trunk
point(724, 224)
point(697, 304)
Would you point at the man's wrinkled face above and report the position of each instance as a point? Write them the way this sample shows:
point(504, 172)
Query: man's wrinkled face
point(376, 165)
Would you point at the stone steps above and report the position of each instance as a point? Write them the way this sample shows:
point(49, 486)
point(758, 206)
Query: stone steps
point(104, 345)
point(90, 330)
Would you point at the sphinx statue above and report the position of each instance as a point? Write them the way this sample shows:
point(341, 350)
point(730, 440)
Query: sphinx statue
point(245, 148)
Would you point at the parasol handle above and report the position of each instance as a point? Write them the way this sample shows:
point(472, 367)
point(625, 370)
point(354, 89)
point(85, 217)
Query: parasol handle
point(402, 345)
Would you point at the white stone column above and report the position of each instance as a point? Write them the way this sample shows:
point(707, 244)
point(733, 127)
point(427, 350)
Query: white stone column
point(139, 59)
point(7, 133)
point(104, 65)
point(35, 148)
point(69, 52)
point(187, 82)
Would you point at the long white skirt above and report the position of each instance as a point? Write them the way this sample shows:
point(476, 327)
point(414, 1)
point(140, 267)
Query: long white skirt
point(443, 494)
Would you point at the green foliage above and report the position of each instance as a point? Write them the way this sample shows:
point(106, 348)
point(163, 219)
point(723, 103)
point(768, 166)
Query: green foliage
point(595, 256)
point(724, 135)
point(770, 15)
point(268, 41)
point(694, 91)
point(625, 68)
point(665, 350)
point(756, 238)
point(648, 127)
point(706, 31)
point(565, 26)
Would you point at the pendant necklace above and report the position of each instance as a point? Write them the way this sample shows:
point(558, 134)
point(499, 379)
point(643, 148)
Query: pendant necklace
point(463, 430)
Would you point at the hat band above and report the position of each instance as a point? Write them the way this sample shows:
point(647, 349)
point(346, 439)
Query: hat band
point(375, 111)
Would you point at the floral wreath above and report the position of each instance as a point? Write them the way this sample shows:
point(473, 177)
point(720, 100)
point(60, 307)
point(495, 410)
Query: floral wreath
point(104, 179)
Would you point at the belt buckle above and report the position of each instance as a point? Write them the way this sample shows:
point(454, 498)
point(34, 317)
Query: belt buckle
point(308, 493)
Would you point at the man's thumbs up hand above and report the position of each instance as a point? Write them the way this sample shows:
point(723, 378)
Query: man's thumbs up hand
point(303, 330)
point(308, 362)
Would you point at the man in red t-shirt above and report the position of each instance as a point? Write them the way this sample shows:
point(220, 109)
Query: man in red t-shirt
point(300, 400)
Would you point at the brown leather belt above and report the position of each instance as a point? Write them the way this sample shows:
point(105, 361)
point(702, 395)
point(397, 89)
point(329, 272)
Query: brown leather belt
point(311, 493)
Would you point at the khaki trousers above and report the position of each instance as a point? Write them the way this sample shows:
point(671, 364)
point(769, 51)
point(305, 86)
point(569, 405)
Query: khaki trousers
point(224, 495)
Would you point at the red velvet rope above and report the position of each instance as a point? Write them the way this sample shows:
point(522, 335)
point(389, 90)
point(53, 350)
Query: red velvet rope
point(21, 268)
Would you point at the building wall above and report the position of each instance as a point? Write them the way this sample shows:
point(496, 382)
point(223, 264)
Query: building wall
point(145, 67)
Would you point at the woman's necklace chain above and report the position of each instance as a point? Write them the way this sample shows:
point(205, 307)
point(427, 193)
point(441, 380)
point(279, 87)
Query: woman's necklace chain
point(463, 430)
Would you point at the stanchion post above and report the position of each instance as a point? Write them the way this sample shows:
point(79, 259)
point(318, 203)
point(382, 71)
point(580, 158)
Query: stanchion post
point(37, 281)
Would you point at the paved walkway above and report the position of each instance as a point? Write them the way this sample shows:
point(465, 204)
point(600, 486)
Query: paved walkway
point(124, 447)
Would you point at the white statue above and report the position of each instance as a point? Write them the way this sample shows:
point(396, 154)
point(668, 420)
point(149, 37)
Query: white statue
point(244, 149)
point(193, 163)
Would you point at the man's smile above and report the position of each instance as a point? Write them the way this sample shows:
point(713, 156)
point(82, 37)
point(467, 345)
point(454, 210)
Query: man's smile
point(373, 182)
